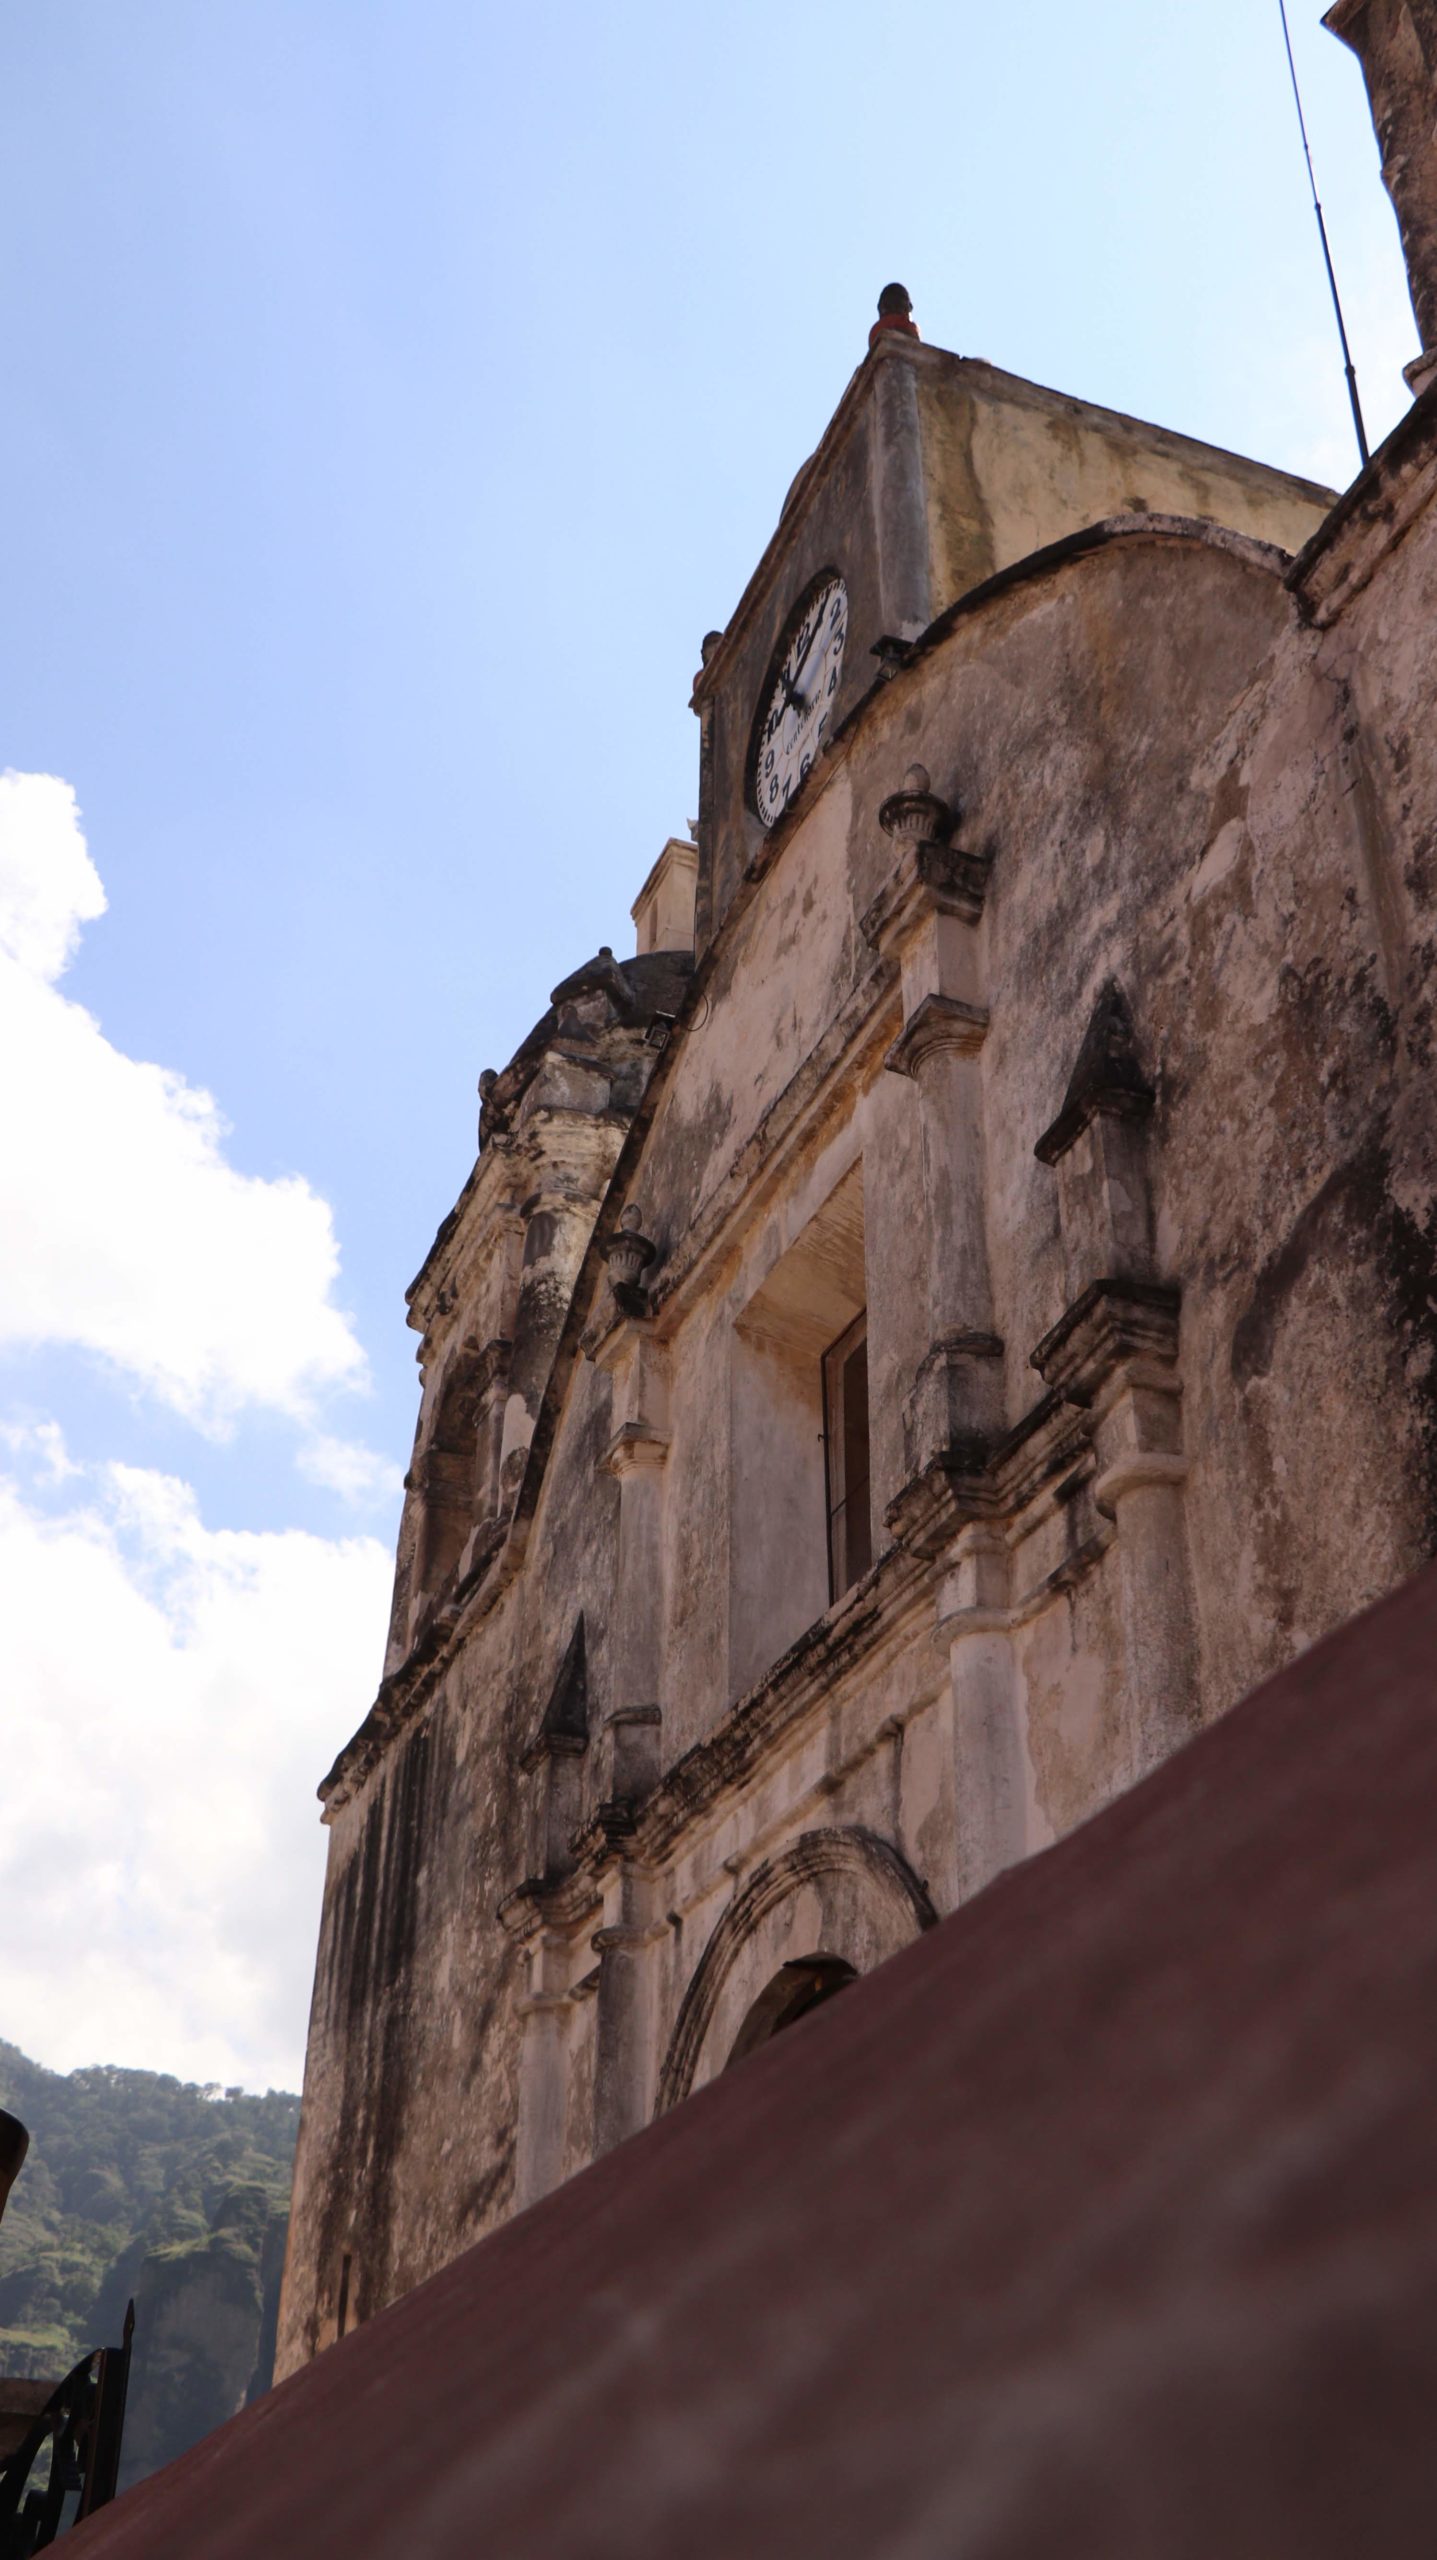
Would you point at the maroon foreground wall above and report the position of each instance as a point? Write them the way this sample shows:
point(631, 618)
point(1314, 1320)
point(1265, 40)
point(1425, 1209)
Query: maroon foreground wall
point(1101, 2222)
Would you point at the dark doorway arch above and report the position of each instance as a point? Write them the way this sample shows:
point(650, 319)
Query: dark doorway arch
point(804, 1984)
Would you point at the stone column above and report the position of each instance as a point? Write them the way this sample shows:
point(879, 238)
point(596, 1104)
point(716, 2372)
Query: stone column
point(1115, 1352)
point(623, 2095)
point(544, 2008)
point(927, 918)
point(1396, 43)
point(989, 1747)
point(635, 1457)
point(1141, 1489)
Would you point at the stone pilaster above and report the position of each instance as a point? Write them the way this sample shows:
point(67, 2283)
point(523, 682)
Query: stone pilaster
point(635, 1457)
point(989, 1744)
point(1115, 1353)
point(544, 2010)
point(623, 2096)
point(927, 917)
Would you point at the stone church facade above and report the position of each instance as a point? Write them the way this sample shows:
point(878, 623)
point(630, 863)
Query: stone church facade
point(948, 1315)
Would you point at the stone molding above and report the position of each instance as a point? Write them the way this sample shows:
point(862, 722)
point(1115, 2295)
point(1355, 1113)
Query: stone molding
point(1114, 1320)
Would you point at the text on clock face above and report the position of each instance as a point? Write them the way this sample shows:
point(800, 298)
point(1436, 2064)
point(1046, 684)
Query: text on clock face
point(795, 719)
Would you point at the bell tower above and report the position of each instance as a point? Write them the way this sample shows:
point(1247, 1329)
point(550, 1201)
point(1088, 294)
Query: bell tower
point(935, 474)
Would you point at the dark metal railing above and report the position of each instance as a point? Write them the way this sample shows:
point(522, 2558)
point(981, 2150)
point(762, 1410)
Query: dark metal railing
point(80, 2427)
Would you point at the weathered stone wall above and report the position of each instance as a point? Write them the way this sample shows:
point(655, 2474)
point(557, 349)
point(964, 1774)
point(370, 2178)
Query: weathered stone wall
point(1076, 1025)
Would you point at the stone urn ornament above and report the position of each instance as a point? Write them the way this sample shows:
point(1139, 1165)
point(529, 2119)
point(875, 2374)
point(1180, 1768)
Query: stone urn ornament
point(628, 1254)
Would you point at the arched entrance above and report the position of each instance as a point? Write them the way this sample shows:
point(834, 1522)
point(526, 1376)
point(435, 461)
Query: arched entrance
point(834, 1898)
point(796, 1989)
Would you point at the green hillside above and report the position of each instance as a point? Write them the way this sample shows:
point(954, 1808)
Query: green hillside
point(125, 2166)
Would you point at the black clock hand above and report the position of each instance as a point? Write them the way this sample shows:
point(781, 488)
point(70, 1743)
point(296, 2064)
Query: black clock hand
point(814, 644)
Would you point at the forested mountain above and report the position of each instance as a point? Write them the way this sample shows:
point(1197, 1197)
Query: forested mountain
point(140, 2184)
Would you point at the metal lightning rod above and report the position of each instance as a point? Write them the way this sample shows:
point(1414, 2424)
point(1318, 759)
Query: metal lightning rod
point(1347, 364)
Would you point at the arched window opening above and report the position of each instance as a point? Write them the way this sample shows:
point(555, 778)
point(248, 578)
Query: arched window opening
point(795, 1989)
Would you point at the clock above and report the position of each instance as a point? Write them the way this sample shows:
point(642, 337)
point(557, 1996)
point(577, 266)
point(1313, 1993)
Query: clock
point(797, 707)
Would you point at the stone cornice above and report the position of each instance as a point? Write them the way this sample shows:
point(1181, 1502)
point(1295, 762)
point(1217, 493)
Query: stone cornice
point(1370, 520)
point(1113, 1320)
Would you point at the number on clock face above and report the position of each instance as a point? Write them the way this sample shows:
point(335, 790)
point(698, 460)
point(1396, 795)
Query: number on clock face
point(795, 719)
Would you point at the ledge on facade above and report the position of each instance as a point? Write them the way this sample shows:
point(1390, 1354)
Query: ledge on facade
point(954, 1487)
point(1113, 1319)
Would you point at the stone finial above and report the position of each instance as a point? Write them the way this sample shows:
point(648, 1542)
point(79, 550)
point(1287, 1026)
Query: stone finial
point(894, 307)
point(915, 815)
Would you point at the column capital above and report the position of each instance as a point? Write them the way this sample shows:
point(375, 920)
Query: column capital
point(940, 1026)
point(1113, 1321)
point(636, 1448)
point(1134, 1469)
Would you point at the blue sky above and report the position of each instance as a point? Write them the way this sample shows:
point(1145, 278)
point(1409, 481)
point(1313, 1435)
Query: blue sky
point(396, 391)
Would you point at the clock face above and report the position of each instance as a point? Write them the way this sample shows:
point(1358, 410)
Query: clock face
point(794, 718)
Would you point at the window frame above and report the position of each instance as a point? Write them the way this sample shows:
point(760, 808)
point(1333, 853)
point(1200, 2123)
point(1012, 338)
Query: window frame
point(849, 1559)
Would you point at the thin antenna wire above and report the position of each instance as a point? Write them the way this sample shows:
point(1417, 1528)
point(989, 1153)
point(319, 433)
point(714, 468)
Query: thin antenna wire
point(1348, 367)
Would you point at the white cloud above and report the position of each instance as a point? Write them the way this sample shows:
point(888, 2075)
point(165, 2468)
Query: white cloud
point(49, 886)
point(44, 1443)
point(175, 1692)
point(360, 1476)
point(129, 1233)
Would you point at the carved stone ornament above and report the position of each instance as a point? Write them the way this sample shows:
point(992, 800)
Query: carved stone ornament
point(941, 1023)
point(915, 815)
point(1106, 1080)
point(930, 871)
point(628, 1254)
